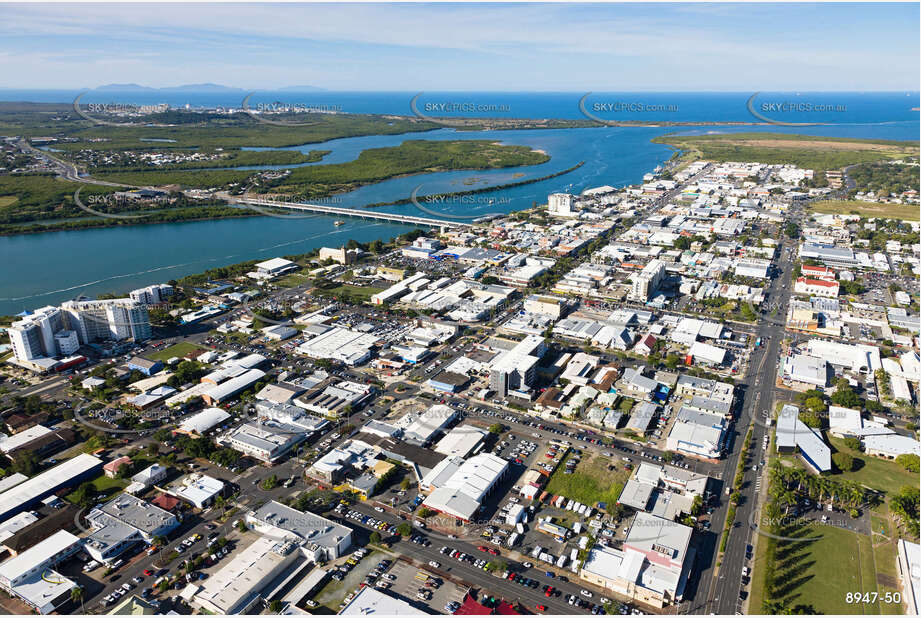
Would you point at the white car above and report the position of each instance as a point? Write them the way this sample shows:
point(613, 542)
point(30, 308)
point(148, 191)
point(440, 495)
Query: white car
point(434, 564)
point(378, 509)
point(586, 594)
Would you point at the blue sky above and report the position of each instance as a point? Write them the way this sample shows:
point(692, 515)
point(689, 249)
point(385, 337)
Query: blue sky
point(491, 47)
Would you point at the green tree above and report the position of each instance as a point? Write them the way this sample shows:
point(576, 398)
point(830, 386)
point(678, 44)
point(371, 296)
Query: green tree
point(852, 443)
point(843, 461)
point(909, 461)
point(76, 594)
point(404, 529)
point(275, 606)
point(375, 538)
point(25, 462)
point(496, 566)
point(496, 428)
point(845, 396)
point(160, 542)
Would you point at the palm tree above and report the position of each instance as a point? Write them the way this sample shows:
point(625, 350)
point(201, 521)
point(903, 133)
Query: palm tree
point(160, 542)
point(76, 593)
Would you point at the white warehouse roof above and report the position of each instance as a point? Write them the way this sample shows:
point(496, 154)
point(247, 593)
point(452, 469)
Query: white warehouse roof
point(43, 484)
point(204, 420)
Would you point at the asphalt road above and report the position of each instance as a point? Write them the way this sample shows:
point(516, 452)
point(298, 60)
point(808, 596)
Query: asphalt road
point(759, 387)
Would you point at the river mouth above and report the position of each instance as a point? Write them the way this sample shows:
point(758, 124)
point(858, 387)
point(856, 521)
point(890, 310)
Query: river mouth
point(119, 259)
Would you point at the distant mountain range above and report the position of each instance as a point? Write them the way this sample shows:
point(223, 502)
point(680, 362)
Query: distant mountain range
point(197, 88)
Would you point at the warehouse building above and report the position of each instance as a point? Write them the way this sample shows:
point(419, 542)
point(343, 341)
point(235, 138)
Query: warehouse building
point(29, 493)
point(201, 423)
point(422, 428)
point(458, 487)
point(236, 588)
point(460, 441)
point(373, 602)
point(344, 345)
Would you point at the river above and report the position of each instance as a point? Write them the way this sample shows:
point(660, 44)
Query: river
point(47, 268)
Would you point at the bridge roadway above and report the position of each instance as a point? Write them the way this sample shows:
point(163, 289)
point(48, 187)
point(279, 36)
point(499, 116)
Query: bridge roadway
point(354, 212)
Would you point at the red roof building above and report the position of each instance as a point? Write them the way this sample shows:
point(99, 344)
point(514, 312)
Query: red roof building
point(472, 607)
point(111, 468)
point(816, 287)
point(166, 502)
point(506, 609)
point(818, 272)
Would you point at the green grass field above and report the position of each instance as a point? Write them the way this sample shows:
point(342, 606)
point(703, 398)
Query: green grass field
point(881, 474)
point(8, 200)
point(104, 485)
point(908, 212)
point(292, 280)
point(359, 293)
point(811, 152)
point(591, 483)
point(885, 557)
point(820, 573)
point(178, 350)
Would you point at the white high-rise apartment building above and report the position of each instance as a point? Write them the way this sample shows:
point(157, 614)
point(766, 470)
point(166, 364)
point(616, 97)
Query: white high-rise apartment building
point(152, 295)
point(53, 331)
point(560, 204)
point(118, 318)
point(33, 336)
point(647, 280)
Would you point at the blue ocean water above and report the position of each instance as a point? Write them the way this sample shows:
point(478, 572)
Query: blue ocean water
point(858, 107)
point(123, 258)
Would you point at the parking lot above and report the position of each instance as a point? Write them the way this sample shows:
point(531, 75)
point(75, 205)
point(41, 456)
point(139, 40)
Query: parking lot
point(415, 584)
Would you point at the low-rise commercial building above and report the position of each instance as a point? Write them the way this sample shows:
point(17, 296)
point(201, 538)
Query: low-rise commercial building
point(335, 399)
point(793, 435)
point(197, 489)
point(816, 287)
point(264, 441)
point(652, 567)
point(321, 538)
point(121, 523)
point(30, 576)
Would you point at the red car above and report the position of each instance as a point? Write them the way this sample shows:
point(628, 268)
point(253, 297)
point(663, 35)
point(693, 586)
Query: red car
point(540, 608)
point(148, 572)
point(494, 552)
point(482, 548)
point(549, 592)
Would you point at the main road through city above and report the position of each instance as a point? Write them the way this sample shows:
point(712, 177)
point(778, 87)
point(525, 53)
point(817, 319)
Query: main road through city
point(723, 592)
